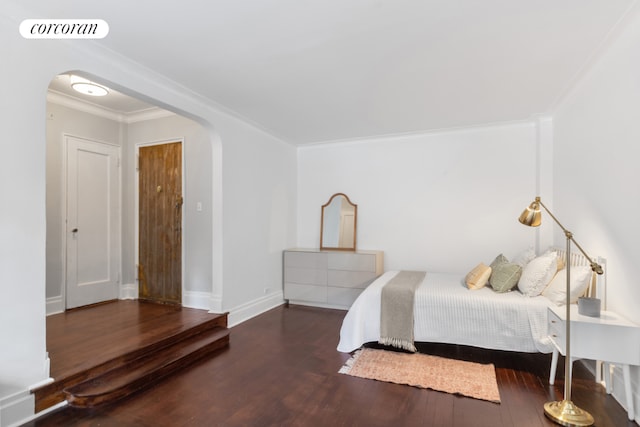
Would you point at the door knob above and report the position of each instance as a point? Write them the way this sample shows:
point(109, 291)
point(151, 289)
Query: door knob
point(75, 230)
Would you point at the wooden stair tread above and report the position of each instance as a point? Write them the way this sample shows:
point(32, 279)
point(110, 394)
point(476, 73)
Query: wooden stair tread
point(146, 369)
point(138, 348)
point(85, 349)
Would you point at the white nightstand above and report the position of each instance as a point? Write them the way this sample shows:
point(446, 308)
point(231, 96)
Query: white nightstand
point(609, 338)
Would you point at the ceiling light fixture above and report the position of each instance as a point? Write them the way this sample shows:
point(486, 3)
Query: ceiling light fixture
point(87, 87)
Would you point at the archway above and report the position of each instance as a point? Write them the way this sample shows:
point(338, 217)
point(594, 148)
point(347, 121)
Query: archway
point(146, 123)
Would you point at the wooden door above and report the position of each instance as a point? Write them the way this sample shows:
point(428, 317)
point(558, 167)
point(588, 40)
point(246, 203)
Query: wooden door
point(160, 223)
point(92, 222)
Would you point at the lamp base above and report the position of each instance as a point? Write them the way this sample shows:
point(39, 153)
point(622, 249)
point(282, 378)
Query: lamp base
point(567, 414)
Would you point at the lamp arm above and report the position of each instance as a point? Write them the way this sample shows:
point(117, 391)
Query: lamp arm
point(563, 412)
point(597, 268)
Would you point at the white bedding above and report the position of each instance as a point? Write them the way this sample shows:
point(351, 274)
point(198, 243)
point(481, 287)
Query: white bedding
point(447, 312)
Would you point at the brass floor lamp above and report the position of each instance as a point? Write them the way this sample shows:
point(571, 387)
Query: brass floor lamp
point(563, 412)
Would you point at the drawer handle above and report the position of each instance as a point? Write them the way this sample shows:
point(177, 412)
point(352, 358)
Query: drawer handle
point(553, 321)
point(554, 335)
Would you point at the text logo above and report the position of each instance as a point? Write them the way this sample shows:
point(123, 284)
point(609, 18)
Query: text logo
point(64, 29)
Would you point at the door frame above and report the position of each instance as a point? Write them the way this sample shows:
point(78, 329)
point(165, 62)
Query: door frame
point(136, 209)
point(65, 197)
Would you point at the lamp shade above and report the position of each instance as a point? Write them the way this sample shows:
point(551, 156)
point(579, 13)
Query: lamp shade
point(531, 216)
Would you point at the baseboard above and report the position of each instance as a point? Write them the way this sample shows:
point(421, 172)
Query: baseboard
point(16, 408)
point(55, 305)
point(215, 304)
point(617, 385)
point(196, 299)
point(253, 308)
point(128, 291)
point(319, 305)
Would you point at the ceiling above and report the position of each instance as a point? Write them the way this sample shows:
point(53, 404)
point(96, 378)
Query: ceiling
point(115, 102)
point(326, 70)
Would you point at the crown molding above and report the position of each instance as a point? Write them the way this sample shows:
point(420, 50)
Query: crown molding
point(59, 98)
point(148, 114)
point(419, 134)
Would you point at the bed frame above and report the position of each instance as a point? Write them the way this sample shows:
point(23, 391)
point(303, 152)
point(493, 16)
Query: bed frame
point(361, 324)
point(598, 286)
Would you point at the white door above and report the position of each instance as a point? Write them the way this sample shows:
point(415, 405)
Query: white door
point(92, 222)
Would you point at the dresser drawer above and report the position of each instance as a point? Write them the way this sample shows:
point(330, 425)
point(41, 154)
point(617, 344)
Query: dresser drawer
point(328, 278)
point(342, 296)
point(351, 261)
point(305, 276)
point(311, 260)
point(350, 279)
point(556, 329)
point(309, 293)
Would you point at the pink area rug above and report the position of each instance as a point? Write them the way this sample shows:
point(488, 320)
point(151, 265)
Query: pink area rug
point(425, 371)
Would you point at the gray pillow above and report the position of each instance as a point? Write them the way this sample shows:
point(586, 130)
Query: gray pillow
point(504, 274)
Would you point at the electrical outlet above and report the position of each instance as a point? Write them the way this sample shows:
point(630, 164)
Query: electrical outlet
point(267, 290)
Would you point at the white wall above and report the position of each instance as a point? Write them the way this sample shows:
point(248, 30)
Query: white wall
point(260, 215)
point(440, 201)
point(250, 170)
point(23, 359)
point(597, 147)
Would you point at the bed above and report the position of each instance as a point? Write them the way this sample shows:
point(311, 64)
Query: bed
point(446, 311)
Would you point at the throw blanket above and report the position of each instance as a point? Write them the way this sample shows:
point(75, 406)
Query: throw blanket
point(396, 310)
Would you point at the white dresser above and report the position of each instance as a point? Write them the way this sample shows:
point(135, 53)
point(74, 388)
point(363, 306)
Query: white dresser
point(329, 278)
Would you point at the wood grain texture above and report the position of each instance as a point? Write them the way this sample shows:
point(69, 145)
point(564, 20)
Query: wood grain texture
point(160, 215)
point(87, 342)
point(147, 369)
point(281, 369)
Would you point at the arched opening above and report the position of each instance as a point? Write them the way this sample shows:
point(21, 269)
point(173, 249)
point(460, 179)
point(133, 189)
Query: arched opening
point(125, 123)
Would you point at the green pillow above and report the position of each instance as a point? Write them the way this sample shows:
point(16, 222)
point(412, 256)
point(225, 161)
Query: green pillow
point(504, 274)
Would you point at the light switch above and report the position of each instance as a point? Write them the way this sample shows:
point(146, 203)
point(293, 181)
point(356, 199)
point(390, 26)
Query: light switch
point(199, 206)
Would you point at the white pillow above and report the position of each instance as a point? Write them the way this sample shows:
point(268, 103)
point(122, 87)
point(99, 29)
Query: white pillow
point(537, 274)
point(580, 279)
point(560, 259)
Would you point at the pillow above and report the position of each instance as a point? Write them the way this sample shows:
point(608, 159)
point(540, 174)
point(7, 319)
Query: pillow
point(500, 259)
point(524, 257)
point(478, 277)
point(559, 258)
point(580, 280)
point(504, 274)
point(537, 274)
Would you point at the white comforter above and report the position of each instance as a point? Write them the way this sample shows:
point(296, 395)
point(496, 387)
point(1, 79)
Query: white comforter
point(445, 311)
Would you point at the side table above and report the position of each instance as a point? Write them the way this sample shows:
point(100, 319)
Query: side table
point(609, 338)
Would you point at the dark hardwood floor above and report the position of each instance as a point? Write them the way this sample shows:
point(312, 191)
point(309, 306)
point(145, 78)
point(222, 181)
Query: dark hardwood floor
point(85, 337)
point(281, 369)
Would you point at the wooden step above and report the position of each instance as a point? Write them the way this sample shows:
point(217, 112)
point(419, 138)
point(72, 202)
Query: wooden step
point(146, 370)
point(129, 342)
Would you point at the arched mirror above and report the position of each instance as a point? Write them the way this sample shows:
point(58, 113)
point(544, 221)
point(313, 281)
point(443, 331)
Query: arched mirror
point(338, 224)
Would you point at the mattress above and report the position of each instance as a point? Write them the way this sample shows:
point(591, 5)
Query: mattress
point(446, 311)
